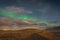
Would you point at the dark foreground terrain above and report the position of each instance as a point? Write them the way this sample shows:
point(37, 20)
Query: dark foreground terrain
point(26, 34)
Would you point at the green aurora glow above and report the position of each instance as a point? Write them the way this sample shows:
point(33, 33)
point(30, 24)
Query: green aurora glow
point(25, 17)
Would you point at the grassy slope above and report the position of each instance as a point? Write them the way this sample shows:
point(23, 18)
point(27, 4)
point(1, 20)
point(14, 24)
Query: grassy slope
point(25, 33)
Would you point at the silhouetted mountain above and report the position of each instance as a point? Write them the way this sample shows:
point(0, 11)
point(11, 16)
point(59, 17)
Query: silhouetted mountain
point(54, 28)
point(12, 23)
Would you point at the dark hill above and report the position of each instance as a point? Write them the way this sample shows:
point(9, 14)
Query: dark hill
point(36, 36)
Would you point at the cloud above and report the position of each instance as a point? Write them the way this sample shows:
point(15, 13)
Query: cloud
point(27, 11)
point(17, 9)
point(44, 9)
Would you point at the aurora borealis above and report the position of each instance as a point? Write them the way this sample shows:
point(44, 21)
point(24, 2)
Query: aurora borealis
point(40, 11)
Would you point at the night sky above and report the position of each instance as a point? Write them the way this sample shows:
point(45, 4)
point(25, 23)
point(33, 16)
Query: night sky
point(43, 11)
